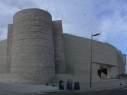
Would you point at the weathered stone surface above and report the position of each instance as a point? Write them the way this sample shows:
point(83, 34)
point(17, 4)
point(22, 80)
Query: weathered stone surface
point(3, 56)
point(36, 49)
point(32, 56)
point(33, 35)
point(36, 79)
point(9, 47)
point(31, 63)
point(34, 71)
point(32, 46)
point(78, 57)
point(59, 47)
point(31, 49)
point(32, 13)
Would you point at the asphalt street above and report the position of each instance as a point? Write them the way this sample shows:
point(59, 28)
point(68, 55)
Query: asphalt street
point(13, 89)
point(111, 91)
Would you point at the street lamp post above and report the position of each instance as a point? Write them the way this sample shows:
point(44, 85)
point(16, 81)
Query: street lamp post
point(91, 58)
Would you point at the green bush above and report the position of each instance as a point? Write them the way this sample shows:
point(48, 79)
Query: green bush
point(123, 75)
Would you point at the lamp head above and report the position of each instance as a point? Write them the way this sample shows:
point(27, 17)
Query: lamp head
point(96, 34)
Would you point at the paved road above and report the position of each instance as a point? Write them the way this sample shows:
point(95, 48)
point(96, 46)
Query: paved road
point(122, 90)
point(119, 88)
point(13, 89)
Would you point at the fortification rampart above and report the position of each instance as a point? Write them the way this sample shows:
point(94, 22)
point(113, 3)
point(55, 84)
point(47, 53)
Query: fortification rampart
point(32, 47)
point(38, 52)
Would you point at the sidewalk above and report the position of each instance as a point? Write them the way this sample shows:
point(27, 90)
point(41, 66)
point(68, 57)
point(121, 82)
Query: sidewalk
point(103, 84)
point(15, 88)
point(96, 86)
point(100, 85)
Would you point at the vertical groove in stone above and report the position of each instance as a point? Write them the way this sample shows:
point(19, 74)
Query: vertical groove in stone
point(9, 47)
point(59, 47)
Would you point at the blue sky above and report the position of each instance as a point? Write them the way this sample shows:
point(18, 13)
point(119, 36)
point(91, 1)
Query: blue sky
point(79, 17)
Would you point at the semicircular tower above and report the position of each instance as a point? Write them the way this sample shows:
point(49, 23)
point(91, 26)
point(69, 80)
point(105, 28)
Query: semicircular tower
point(32, 59)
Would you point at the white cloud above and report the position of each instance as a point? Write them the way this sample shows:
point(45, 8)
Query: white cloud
point(114, 30)
point(7, 9)
point(3, 34)
point(83, 18)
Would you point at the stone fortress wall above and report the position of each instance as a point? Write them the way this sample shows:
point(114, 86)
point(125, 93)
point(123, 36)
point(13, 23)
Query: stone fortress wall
point(38, 52)
point(78, 58)
point(32, 47)
point(3, 50)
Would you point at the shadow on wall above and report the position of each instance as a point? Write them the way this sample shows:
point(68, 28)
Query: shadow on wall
point(69, 69)
point(102, 73)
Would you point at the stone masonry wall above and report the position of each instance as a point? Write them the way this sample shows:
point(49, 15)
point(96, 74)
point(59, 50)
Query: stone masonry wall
point(58, 47)
point(36, 50)
point(32, 59)
point(121, 62)
point(78, 54)
point(9, 47)
point(3, 50)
